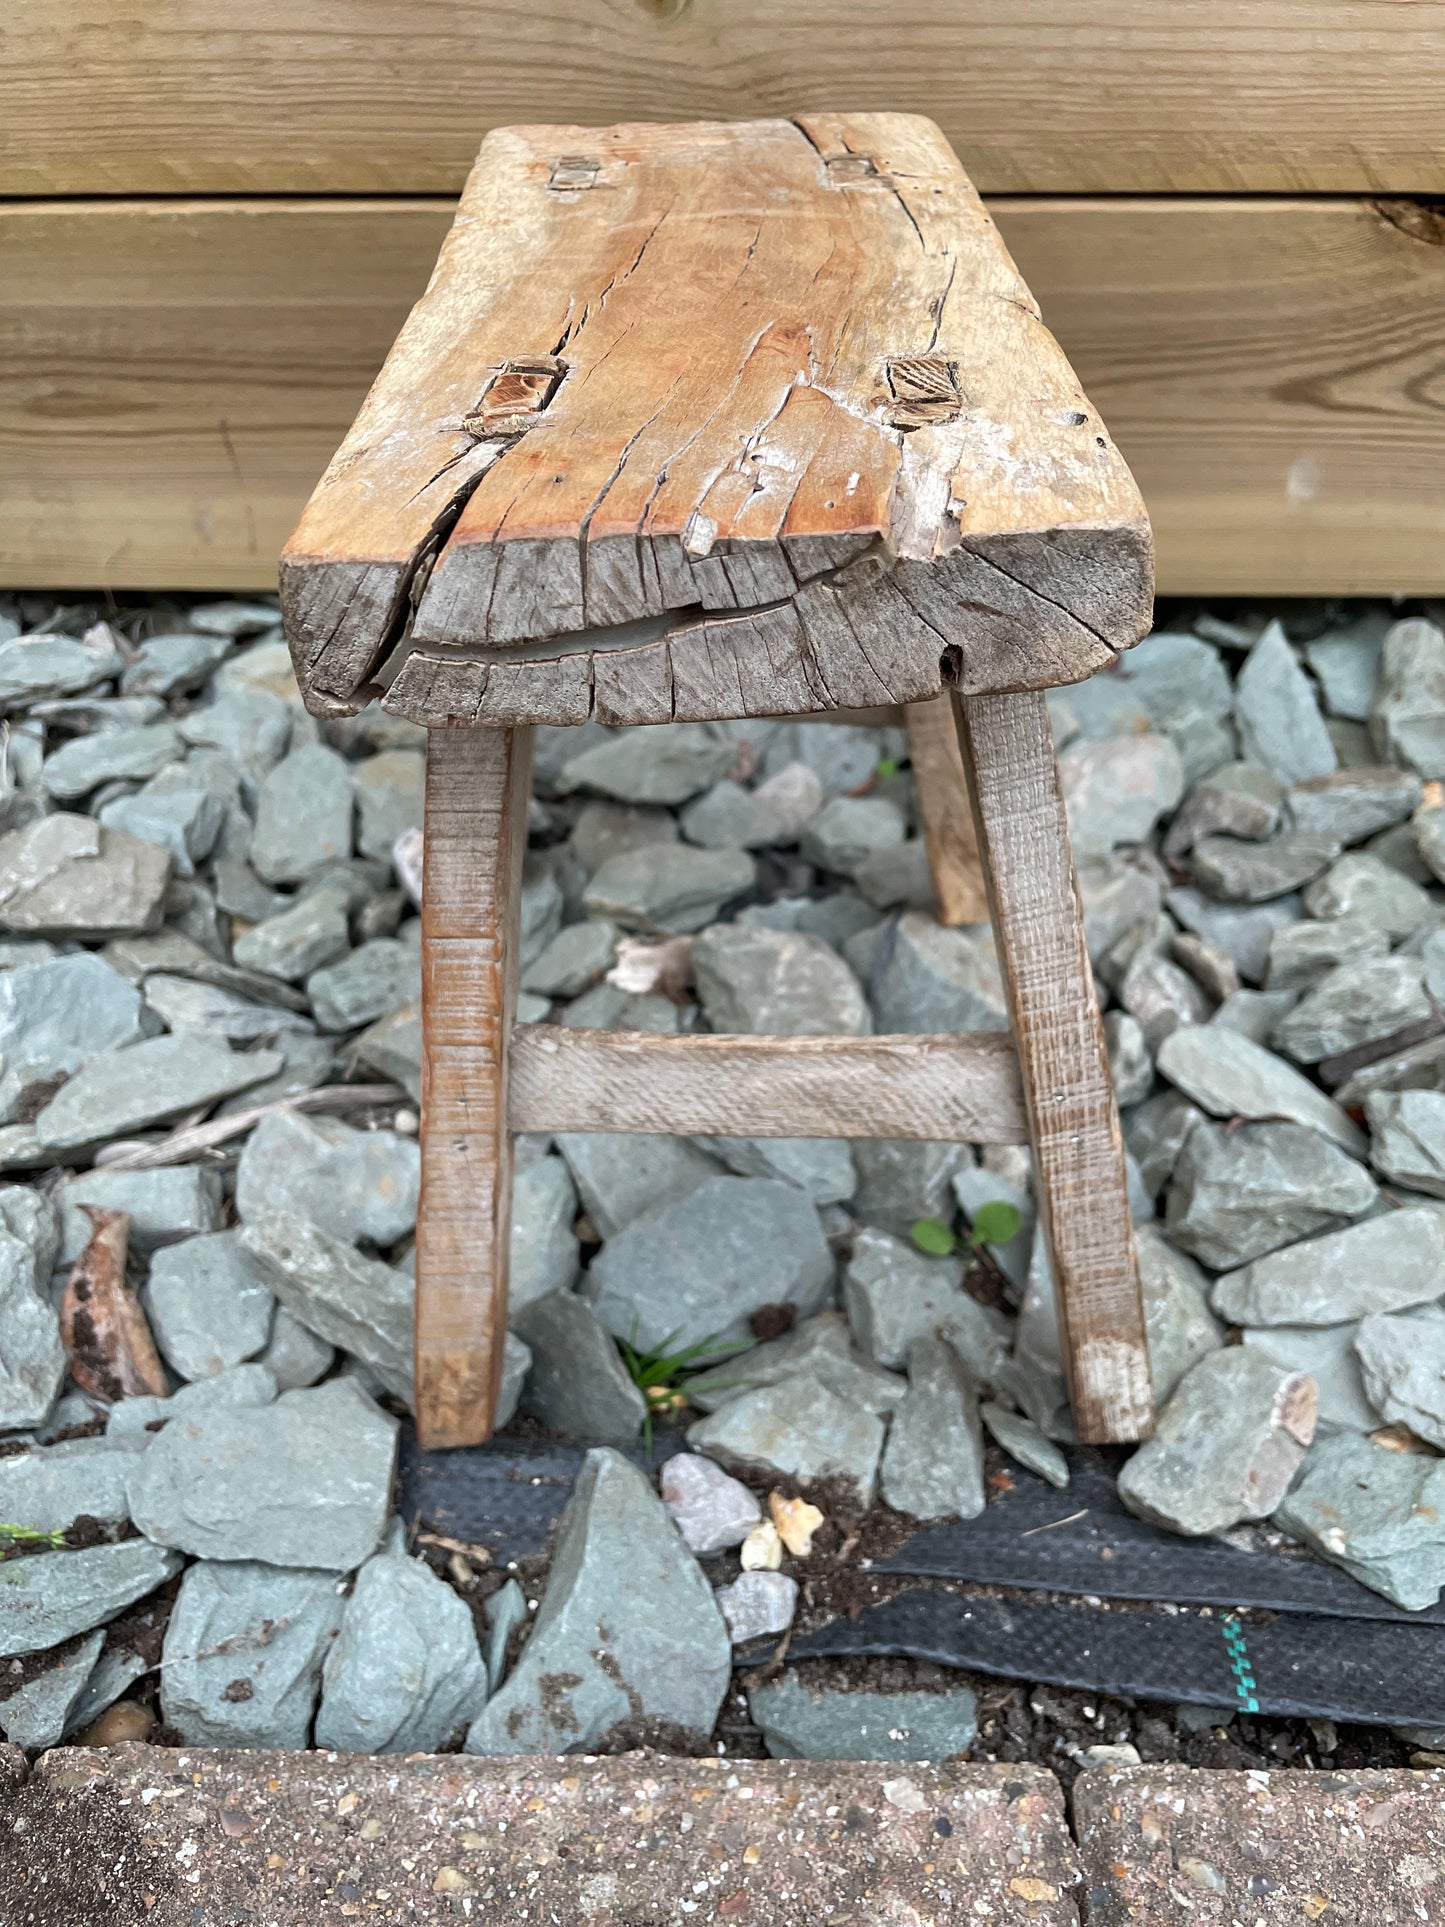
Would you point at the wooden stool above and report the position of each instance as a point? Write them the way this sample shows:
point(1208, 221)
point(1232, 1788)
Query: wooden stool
point(719, 421)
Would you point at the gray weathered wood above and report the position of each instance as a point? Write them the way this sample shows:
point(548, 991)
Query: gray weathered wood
point(1074, 1129)
point(962, 1088)
point(477, 785)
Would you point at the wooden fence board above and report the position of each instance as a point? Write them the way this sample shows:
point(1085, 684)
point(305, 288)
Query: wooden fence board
point(1039, 96)
point(175, 375)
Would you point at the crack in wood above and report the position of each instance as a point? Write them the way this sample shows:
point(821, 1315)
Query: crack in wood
point(764, 379)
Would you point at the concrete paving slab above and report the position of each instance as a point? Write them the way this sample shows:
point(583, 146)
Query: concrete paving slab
point(230, 1839)
point(1168, 1845)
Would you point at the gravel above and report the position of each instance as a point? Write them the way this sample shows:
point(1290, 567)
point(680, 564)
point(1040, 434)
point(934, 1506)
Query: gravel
point(776, 983)
point(695, 1271)
point(404, 1673)
point(1225, 1447)
point(303, 1482)
point(205, 908)
point(933, 1462)
point(243, 1654)
point(601, 1655)
point(52, 1596)
point(797, 1429)
point(800, 1725)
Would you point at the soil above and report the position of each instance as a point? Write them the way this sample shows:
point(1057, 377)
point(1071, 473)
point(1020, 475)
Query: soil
point(1047, 1726)
point(1043, 1725)
point(1051, 1726)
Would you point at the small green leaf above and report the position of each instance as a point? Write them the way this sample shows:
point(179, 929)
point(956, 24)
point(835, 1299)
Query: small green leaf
point(933, 1236)
point(887, 766)
point(29, 1536)
point(995, 1223)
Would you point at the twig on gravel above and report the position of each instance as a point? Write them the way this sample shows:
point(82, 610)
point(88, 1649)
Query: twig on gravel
point(1049, 1524)
point(188, 1142)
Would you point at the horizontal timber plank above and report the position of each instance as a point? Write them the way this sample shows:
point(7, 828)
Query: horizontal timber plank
point(1053, 96)
point(962, 1089)
point(174, 376)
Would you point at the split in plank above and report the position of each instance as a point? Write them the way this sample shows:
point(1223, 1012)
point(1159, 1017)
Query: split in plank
point(716, 421)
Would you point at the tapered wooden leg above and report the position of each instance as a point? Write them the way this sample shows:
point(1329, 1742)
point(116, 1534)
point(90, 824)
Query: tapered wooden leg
point(1078, 1149)
point(477, 786)
point(945, 813)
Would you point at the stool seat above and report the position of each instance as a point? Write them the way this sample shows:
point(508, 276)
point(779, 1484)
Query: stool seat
point(715, 421)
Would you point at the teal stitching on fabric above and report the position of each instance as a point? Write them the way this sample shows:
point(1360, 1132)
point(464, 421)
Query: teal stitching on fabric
point(1239, 1665)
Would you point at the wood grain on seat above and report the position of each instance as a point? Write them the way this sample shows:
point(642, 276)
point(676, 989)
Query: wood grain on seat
point(712, 421)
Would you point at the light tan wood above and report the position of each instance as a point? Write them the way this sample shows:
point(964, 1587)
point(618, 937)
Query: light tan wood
point(963, 1088)
point(1078, 1148)
point(177, 375)
point(715, 420)
point(477, 786)
point(946, 813)
point(1058, 96)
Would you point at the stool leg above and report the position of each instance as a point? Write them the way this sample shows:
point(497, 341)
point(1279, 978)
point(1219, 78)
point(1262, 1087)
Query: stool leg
point(477, 786)
point(945, 813)
point(1038, 924)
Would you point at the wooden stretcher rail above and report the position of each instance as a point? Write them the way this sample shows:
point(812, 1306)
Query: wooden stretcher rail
point(954, 1089)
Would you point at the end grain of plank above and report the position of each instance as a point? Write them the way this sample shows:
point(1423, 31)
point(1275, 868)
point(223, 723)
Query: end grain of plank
point(1008, 750)
point(477, 786)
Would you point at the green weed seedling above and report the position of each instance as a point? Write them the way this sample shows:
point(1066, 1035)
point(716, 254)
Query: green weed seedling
point(661, 1375)
point(993, 1224)
point(28, 1536)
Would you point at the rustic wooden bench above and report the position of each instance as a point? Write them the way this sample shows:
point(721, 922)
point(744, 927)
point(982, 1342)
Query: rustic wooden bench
point(715, 421)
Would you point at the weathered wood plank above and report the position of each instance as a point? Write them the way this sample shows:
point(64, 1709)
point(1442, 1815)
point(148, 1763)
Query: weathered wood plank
point(963, 1089)
point(477, 786)
point(1078, 1147)
point(946, 813)
point(715, 420)
point(176, 376)
point(1039, 96)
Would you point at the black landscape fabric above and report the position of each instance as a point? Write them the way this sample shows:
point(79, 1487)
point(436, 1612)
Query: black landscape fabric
point(1293, 1665)
point(1316, 1643)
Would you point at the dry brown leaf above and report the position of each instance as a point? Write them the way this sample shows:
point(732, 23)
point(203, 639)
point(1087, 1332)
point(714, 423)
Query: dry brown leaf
point(112, 1353)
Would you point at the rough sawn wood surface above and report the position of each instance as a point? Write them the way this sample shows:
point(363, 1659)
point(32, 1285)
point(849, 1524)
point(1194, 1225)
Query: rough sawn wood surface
point(710, 421)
